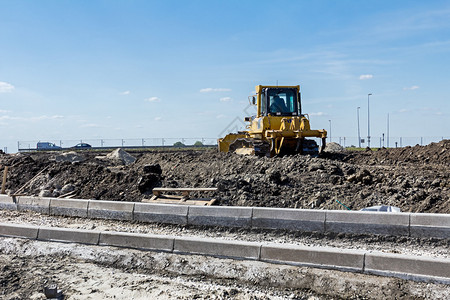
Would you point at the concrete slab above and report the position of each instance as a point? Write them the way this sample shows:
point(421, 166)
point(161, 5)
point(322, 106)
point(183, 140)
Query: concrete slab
point(16, 230)
point(36, 204)
point(430, 225)
point(69, 207)
point(406, 266)
point(218, 248)
point(115, 210)
point(384, 223)
point(69, 235)
point(161, 213)
point(322, 257)
point(291, 219)
point(220, 216)
point(138, 241)
point(7, 203)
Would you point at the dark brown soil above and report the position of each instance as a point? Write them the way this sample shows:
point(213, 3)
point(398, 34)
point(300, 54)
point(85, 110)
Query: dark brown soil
point(415, 179)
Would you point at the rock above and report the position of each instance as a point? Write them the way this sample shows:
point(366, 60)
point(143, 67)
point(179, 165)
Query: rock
point(148, 181)
point(70, 156)
point(156, 169)
point(275, 177)
point(315, 167)
point(45, 193)
point(67, 188)
point(436, 182)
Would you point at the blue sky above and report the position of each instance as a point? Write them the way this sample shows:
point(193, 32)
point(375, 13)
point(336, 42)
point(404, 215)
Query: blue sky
point(143, 69)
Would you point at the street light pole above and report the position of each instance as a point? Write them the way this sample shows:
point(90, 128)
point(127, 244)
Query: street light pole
point(368, 121)
point(359, 133)
point(330, 129)
point(388, 130)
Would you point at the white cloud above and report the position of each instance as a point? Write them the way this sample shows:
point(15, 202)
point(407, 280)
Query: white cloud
point(317, 114)
point(6, 87)
point(33, 119)
point(158, 119)
point(220, 116)
point(209, 90)
point(91, 125)
point(403, 110)
point(9, 118)
point(125, 93)
point(365, 76)
point(2, 111)
point(411, 88)
point(44, 117)
point(153, 99)
point(226, 99)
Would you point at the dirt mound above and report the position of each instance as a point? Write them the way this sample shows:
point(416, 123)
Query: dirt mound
point(121, 156)
point(357, 179)
point(334, 147)
point(434, 153)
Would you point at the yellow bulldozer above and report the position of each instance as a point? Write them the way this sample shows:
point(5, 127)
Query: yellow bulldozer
point(278, 128)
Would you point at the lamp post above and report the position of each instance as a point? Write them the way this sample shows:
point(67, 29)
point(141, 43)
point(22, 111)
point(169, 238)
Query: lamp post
point(388, 130)
point(330, 129)
point(368, 121)
point(359, 133)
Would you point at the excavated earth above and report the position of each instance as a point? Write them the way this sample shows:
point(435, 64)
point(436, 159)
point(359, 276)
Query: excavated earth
point(416, 179)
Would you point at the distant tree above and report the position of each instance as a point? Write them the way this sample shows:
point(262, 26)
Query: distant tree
point(198, 143)
point(179, 144)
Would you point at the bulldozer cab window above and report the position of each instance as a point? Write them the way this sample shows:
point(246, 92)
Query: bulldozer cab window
point(263, 104)
point(282, 102)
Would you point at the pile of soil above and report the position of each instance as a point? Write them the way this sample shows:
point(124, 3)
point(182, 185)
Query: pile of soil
point(415, 179)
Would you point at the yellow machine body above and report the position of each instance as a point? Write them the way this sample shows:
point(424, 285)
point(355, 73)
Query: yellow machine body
point(278, 127)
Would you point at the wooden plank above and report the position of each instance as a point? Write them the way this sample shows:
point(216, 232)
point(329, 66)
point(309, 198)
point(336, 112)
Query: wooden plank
point(182, 202)
point(19, 191)
point(184, 189)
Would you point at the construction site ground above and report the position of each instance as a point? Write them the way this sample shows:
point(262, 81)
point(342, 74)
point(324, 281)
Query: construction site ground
point(416, 179)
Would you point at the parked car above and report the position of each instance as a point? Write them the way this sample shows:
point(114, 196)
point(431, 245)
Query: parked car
point(82, 146)
point(47, 146)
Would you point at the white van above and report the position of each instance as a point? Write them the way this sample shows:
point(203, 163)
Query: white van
point(46, 146)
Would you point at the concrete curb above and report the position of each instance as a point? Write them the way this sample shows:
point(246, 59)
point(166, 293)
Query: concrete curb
point(430, 225)
point(392, 265)
point(217, 248)
point(327, 258)
point(113, 210)
point(291, 219)
point(220, 216)
point(7, 203)
point(367, 222)
point(357, 222)
point(137, 241)
point(36, 204)
point(161, 213)
point(68, 235)
point(69, 207)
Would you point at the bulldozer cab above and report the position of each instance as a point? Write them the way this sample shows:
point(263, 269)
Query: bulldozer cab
point(279, 101)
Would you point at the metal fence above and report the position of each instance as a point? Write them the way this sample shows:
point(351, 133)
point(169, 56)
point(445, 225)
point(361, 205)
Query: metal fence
point(116, 143)
point(383, 141)
point(344, 141)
